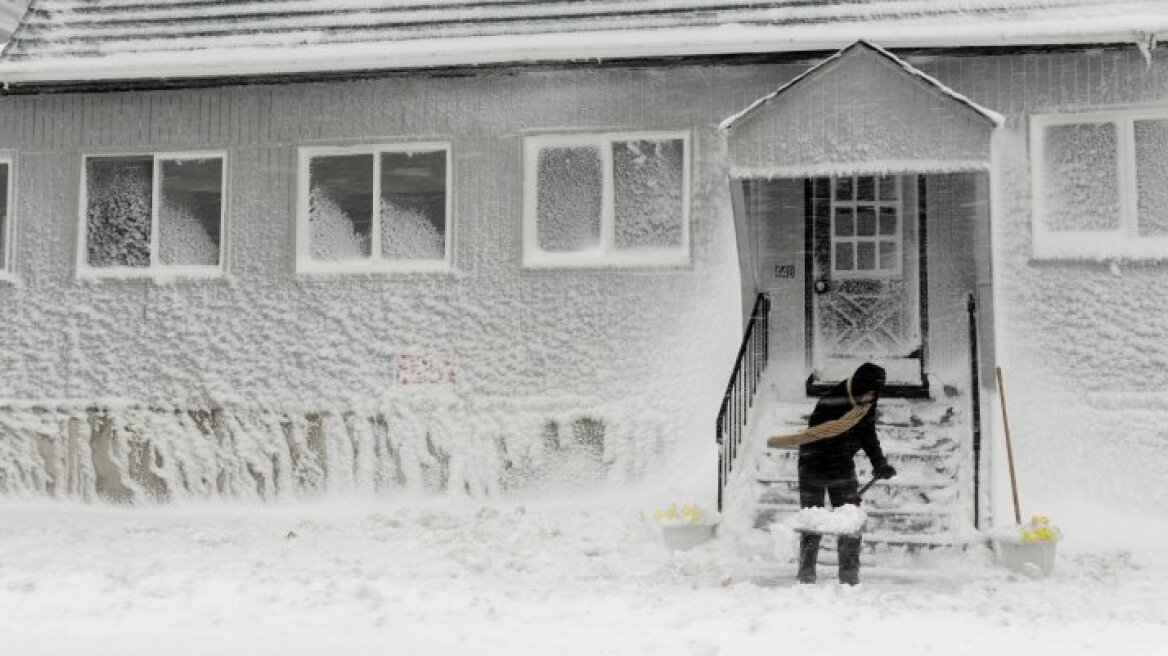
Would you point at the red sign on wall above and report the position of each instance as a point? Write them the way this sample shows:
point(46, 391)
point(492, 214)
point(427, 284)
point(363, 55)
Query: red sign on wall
point(426, 370)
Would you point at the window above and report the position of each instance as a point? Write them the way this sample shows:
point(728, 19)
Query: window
point(865, 226)
point(6, 248)
point(371, 208)
point(606, 199)
point(1100, 185)
point(152, 214)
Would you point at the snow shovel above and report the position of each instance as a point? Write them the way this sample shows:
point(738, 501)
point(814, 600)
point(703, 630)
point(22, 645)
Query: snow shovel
point(836, 530)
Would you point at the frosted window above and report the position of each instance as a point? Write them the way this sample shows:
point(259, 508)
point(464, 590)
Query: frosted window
point(340, 211)
point(569, 192)
point(647, 187)
point(190, 209)
point(3, 215)
point(1151, 139)
point(413, 206)
point(118, 211)
point(1081, 177)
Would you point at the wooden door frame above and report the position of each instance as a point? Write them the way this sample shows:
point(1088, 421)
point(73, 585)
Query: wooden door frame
point(906, 391)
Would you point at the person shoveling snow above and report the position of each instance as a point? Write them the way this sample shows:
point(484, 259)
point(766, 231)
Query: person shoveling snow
point(843, 422)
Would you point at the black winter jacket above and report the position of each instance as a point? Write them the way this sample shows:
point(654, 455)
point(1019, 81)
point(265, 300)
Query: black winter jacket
point(834, 456)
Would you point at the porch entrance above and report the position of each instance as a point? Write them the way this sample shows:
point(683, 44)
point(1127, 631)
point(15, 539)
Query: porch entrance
point(865, 279)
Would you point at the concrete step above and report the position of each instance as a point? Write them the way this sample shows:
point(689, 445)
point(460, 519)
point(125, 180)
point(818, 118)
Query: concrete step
point(892, 494)
point(780, 463)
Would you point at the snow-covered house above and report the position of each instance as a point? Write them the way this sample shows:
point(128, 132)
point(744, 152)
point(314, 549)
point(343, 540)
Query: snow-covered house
point(251, 248)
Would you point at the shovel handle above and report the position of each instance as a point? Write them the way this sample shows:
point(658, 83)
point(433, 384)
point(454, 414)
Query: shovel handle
point(867, 486)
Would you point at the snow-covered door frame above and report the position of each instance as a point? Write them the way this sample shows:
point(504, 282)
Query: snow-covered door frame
point(606, 254)
point(155, 269)
point(7, 232)
point(375, 263)
point(1123, 242)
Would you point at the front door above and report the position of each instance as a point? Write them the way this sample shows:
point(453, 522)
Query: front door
point(864, 291)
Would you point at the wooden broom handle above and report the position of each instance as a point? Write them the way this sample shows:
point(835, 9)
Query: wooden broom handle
point(1009, 445)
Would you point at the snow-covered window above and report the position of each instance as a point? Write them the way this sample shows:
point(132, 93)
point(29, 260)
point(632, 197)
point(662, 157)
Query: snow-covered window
point(606, 200)
point(154, 214)
point(866, 226)
point(372, 208)
point(5, 218)
point(1100, 185)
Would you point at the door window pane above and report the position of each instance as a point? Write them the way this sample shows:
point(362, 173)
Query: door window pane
point(865, 256)
point(413, 206)
point(1081, 177)
point(647, 193)
point(866, 221)
point(843, 189)
point(888, 189)
point(568, 198)
point(845, 222)
point(340, 208)
point(119, 198)
point(887, 255)
point(844, 260)
point(190, 211)
point(887, 220)
point(865, 188)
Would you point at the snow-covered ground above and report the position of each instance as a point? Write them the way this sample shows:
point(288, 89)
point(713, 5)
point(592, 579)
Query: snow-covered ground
point(553, 576)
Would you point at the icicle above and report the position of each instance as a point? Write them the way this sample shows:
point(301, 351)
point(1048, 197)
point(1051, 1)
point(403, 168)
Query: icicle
point(1146, 42)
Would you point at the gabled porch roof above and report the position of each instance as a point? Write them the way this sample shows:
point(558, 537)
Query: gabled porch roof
point(831, 62)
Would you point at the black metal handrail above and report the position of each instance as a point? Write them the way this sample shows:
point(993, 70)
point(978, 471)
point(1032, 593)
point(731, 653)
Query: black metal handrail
point(739, 397)
point(975, 408)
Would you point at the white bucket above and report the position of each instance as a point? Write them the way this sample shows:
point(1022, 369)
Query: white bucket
point(1034, 559)
point(679, 537)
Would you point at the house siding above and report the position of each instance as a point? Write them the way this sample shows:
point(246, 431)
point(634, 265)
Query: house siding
point(526, 341)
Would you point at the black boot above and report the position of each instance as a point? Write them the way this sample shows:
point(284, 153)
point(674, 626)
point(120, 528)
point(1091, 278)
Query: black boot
point(849, 559)
point(808, 555)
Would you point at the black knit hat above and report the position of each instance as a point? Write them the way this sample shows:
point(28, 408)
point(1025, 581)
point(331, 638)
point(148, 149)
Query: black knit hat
point(868, 378)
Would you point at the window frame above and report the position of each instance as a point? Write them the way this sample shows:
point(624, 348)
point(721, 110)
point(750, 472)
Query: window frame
point(1123, 242)
point(606, 254)
point(155, 269)
point(876, 204)
point(8, 269)
point(375, 263)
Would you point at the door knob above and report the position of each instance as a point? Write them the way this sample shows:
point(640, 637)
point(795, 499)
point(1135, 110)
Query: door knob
point(822, 286)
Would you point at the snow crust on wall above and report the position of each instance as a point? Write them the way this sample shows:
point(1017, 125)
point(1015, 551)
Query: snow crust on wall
point(476, 362)
point(1082, 344)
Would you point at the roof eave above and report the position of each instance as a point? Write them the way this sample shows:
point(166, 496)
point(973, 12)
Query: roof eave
point(510, 50)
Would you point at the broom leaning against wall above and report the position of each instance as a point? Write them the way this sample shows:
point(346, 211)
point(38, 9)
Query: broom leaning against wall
point(843, 422)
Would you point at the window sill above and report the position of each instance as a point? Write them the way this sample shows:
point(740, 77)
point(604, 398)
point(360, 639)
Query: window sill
point(1099, 247)
point(667, 260)
point(154, 275)
point(334, 269)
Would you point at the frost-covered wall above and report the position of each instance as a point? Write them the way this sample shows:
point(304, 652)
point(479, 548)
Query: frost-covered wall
point(1084, 345)
point(234, 384)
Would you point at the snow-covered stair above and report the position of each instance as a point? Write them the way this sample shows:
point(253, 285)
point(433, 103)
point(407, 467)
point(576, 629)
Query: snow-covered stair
point(919, 508)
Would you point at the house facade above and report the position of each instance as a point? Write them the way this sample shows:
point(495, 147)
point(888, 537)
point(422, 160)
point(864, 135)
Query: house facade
point(238, 263)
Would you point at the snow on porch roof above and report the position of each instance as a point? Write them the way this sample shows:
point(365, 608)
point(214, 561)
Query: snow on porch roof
point(993, 117)
point(62, 41)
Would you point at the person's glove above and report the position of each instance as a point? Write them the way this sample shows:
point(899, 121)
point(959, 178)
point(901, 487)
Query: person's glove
point(884, 470)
